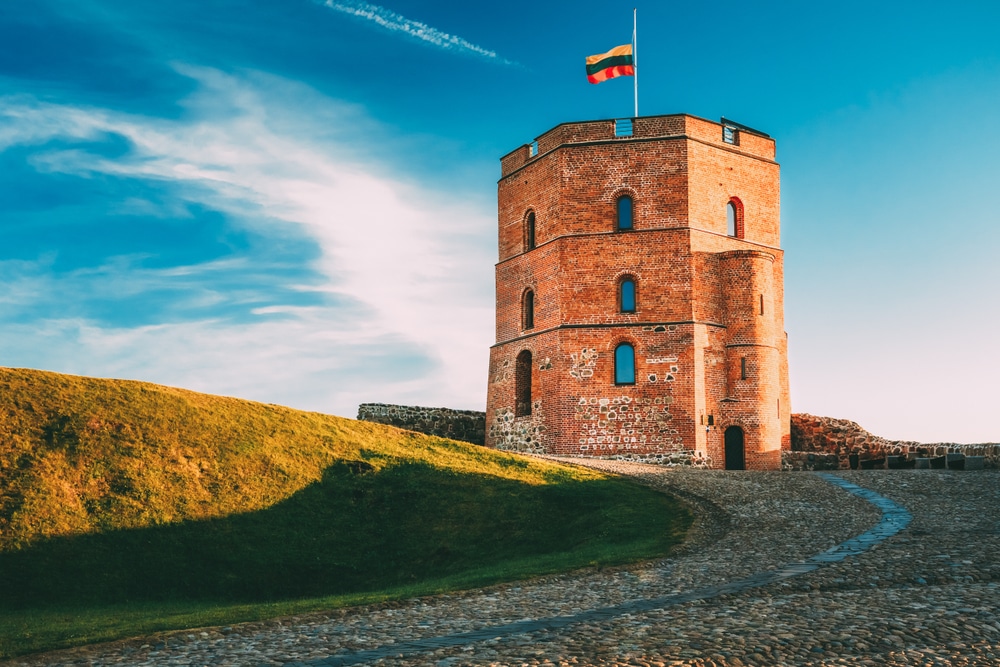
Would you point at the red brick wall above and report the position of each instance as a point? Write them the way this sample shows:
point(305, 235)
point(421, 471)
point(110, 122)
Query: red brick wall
point(697, 299)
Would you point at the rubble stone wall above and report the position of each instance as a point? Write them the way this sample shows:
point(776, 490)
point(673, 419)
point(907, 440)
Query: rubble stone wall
point(464, 425)
point(825, 443)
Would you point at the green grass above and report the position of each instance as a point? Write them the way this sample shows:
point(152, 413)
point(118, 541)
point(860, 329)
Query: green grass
point(128, 508)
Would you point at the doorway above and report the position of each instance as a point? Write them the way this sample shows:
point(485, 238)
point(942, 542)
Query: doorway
point(735, 454)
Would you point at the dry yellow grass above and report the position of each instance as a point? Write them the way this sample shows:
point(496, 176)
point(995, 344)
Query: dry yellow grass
point(80, 455)
point(127, 507)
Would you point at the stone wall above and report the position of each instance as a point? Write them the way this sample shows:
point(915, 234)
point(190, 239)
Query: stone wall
point(818, 443)
point(825, 443)
point(464, 425)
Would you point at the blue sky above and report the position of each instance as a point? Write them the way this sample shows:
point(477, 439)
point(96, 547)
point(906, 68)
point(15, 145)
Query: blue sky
point(293, 201)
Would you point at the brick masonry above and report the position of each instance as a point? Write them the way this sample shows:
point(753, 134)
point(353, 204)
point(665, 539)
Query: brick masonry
point(708, 327)
point(464, 425)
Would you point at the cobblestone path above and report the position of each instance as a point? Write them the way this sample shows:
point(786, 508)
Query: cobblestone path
point(779, 569)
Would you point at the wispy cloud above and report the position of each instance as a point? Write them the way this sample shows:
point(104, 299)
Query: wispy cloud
point(406, 272)
point(390, 20)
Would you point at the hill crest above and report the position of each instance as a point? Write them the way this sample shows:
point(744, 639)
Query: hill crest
point(81, 455)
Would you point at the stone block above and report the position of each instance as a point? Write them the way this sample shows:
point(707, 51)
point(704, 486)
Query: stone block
point(955, 461)
point(938, 463)
point(975, 462)
point(923, 463)
point(895, 462)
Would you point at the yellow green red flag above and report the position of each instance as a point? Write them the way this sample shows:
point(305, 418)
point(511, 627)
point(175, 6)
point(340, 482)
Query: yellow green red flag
point(616, 62)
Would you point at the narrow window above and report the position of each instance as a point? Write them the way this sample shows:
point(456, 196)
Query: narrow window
point(730, 135)
point(624, 364)
point(734, 218)
point(529, 231)
point(624, 213)
point(761, 304)
point(529, 310)
point(522, 384)
point(743, 368)
point(626, 295)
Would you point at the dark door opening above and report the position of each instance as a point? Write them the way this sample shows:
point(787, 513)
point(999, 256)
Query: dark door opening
point(735, 459)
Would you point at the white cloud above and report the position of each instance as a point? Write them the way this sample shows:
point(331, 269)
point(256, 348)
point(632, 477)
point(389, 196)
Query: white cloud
point(394, 22)
point(415, 266)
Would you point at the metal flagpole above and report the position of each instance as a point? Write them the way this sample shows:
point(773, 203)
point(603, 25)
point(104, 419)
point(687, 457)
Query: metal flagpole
point(635, 64)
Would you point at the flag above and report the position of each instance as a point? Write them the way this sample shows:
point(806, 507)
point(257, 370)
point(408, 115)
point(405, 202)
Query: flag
point(616, 62)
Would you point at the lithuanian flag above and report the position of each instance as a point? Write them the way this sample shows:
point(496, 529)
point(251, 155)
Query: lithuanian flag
point(616, 62)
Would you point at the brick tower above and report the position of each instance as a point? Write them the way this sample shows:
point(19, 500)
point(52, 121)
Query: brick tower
point(640, 295)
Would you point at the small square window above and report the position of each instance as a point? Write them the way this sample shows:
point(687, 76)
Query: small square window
point(533, 149)
point(623, 127)
point(730, 135)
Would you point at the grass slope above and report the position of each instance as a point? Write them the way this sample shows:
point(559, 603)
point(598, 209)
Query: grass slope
point(127, 508)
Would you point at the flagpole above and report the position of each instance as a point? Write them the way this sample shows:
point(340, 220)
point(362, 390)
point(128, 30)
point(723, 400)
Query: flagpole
point(635, 64)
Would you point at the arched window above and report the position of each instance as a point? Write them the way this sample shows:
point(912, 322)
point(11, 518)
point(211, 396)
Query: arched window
point(522, 384)
point(528, 317)
point(734, 218)
point(626, 295)
point(624, 212)
point(529, 231)
point(624, 364)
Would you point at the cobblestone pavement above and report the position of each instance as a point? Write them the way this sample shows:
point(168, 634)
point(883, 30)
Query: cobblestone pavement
point(928, 595)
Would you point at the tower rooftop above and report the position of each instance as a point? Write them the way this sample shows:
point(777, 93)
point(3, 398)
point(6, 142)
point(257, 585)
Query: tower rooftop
point(723, 134)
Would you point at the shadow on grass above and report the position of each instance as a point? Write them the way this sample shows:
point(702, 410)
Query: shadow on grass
point(359, 529)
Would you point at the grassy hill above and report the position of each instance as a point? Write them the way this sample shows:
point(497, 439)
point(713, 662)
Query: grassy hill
point(127, 508)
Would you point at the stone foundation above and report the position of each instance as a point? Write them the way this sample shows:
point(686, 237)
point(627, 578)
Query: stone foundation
point(683, 458)
point(519, 434)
